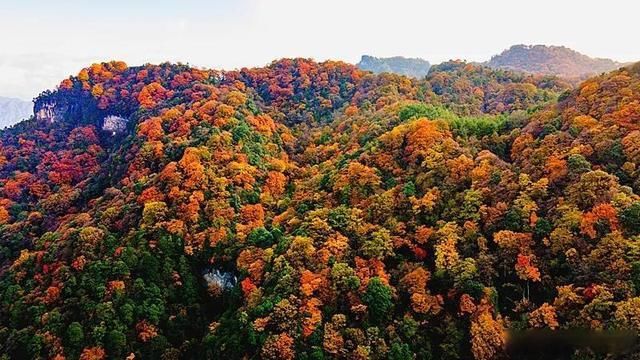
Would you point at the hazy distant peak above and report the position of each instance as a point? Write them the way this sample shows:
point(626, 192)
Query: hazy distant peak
point(551, 60)
point(412, 67)
point(13, 110)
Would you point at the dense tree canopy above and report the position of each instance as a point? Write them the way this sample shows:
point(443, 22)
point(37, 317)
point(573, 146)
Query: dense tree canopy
point(313, 210)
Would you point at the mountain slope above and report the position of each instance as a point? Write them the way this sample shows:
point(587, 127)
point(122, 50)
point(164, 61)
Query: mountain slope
point(13, 110)
point(551, 60)
point(472, 89)
point(314, 210)
point(412, 67)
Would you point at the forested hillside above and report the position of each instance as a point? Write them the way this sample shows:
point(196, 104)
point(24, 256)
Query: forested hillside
point(315, 211)
point(551, 60)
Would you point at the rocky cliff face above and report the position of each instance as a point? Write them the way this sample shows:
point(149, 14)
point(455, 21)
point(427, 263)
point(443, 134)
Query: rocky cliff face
point(114, 124)
point(46, 111)
point(14, 110)
point(78, 109)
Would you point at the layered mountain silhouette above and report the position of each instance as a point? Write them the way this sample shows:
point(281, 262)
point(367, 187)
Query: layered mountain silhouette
point(534, 59)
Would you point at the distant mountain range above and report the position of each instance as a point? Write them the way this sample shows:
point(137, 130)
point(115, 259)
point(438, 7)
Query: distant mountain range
point(13, 110)
point(534, 59)
point(412, 67)
point(551, 60)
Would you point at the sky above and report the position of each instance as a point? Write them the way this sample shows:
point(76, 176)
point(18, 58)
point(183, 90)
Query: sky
point(45, 41)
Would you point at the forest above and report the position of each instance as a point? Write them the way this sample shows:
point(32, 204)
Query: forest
point(310, 210)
